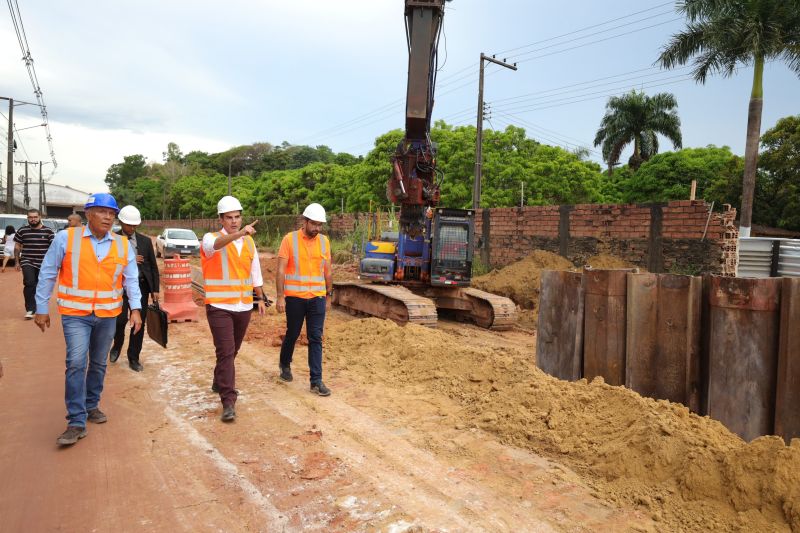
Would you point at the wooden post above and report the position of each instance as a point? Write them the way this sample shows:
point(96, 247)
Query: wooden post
point(694, 190)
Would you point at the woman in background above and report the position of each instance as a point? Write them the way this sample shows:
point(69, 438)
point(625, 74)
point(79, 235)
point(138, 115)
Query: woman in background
point(8, 245)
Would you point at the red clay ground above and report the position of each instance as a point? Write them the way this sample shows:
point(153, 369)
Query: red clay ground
point(356, 461)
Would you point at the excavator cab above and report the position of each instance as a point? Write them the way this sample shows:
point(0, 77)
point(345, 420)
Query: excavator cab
point(451, 260)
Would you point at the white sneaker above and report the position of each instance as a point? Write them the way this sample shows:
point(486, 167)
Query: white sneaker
point(29, 315)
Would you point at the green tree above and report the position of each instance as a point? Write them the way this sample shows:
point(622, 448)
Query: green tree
point(668, 176)
point(637, 118)
point(121, 177)
point(780, 166)
point(722, 34)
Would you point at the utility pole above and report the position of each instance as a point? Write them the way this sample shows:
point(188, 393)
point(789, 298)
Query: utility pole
point(26, 197)
point(10, 163)
point(42, 207)
point(476, 185)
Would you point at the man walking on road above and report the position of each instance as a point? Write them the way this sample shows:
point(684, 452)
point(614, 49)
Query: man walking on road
point(304, 282)
point(32, 242)
point(92, 266)
point(231, 272)
point(74, 221)
point(149, 284)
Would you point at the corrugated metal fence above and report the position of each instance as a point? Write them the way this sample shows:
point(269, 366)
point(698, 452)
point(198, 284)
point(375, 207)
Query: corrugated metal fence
point(762, 257)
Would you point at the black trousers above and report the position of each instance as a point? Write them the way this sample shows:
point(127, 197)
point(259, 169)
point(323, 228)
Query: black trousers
point(30, 277)
point(135, 343)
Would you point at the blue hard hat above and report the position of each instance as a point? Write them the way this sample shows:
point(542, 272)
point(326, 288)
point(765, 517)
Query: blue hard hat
point(101, 199)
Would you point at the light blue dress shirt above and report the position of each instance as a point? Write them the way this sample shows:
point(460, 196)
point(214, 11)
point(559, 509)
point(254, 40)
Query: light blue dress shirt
point(55, 256)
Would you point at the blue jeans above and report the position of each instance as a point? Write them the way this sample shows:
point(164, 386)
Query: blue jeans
point(312, 310)
point(90, 336)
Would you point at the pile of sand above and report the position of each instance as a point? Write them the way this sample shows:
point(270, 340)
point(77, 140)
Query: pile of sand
point(689, 472)
point(520, 281)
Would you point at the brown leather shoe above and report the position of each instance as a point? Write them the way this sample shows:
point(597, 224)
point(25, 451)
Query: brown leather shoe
point(96, 416)
point(71, 436)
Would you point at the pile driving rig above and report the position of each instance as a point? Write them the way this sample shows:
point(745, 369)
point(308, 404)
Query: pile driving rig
point(427, 264)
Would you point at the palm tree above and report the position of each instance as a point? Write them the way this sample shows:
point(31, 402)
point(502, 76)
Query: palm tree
point(637, 118)
point(721, 34)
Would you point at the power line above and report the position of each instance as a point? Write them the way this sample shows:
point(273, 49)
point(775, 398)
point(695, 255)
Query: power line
point(564, 139)
point(603, 93)
point(596, 41)
point(583, 29)
point(471, 77)
point(22, 38)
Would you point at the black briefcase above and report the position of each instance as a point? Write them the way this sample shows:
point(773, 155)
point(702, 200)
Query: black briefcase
point(157, 324)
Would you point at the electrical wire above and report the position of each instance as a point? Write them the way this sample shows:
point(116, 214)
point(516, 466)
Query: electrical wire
point(501, 52)
point(457, 76)
point(22, 38)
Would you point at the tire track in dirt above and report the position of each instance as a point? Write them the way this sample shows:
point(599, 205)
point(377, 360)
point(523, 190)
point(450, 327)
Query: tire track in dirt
point(376, 477)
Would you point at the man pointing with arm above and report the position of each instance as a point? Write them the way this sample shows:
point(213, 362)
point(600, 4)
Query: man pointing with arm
point(231, 272)
point(91, 266)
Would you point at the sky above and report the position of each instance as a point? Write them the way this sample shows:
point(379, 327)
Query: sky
point(127, 77)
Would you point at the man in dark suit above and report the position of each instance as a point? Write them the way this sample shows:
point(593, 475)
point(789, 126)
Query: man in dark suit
point(149, 284)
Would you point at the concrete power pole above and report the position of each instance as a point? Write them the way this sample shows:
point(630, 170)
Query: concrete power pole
point(26, 198)
point(10, 163)
point(476, 184)
point(42, 208)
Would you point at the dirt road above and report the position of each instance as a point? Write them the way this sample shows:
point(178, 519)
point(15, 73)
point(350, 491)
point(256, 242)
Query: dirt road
point(371, 457)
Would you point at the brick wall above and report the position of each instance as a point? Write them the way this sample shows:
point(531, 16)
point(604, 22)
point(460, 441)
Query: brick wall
point(678, 236)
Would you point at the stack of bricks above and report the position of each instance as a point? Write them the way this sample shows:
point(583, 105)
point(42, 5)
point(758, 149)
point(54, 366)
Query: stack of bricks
point(730, 240)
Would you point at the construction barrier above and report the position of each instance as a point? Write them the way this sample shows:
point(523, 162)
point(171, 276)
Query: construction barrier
point(178, 302)
point(605, 309)
point(787, 399)
point(725, 347)
point(663, 337)
point(744, 321)
point(559, 340)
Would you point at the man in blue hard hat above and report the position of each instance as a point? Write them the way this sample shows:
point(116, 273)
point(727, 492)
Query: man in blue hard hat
point(92, 266)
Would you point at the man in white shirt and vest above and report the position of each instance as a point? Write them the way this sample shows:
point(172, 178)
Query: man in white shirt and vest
point(92, 265)
point(231, 272)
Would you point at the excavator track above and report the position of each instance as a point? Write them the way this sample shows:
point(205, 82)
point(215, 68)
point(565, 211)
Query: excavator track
point(392, 302)
point(503, 313)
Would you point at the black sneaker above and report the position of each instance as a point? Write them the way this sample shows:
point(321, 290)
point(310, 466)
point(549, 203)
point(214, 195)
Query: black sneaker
point(96, 416)
point(136, 366)
point(71, 435)
point(113, 355)
point(286, 373)
point(228, 414)
point(320, 388)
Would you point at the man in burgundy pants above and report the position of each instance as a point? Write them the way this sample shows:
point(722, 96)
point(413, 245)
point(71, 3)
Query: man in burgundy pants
point(231, 272)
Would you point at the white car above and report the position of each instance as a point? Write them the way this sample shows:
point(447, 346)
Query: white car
point(177, 241)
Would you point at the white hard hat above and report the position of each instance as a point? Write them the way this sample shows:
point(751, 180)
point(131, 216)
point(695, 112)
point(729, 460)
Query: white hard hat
point(228, 204)
point(130, 215)
point(315, 212)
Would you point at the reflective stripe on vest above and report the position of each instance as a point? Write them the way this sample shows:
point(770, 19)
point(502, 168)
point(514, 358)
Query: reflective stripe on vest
point(300, 283)
point(220, 285)
point(72, 299)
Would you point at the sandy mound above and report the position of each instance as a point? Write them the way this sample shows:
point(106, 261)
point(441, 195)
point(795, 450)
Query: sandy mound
point(520, 281)
point(689, 472)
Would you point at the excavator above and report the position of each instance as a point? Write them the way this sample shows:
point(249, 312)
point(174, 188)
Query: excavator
point(425, 268)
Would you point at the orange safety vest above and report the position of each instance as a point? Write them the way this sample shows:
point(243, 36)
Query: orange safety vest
point(302, 278)
point(86, 286)
point(226, 274)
